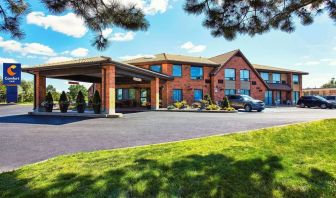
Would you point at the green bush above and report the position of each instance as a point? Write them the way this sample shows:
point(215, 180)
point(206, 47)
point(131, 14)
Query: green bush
point(49, 99)
point(204, 104)
point(63, 99)
point(226, 103)
point(96, 102)
point(181, 105)
point(213, 107)
point(229, 109)
point(80, 102)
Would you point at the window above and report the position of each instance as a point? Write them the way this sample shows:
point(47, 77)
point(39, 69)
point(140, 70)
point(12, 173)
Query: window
point(244, 75)
point(230, 92)
point(276, 78)
point(196, 73)
point(198, 94)
point(268, 98)
point(177, 95)
point(264, 76)
point(177, 70)
point(125, 94)
point(245, 92)
point(156, 68)
point(296, 79)
point(230, 74)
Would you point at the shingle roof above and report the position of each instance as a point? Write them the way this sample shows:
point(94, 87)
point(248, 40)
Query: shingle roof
point(222, 59)
point(279, 69)
point(172, 58)
point(73, 62)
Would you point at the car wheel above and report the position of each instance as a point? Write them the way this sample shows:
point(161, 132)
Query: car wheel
point(259, 110)
point(323, 106)
point(302, 105)
point(248, 108)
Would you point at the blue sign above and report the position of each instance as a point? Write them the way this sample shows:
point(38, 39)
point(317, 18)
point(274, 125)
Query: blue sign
point(12, 94)
point(11, 74)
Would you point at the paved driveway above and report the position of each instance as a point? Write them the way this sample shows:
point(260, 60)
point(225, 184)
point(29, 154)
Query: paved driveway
point(26, 139)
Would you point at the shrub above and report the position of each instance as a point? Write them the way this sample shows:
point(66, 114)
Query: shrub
point(63, 102)
point(96, 102)
point(208, 98)
point(196, 105)
point(80, 102)
point(229, 109)
point(204, 104)
point(171, 107)
point(181, 105)
point(213, 107)
point(226, 103)
point(48, 103)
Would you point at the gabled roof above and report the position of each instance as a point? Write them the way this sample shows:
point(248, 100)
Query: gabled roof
point(278, 69)
point(172, 58)
point(225, 58)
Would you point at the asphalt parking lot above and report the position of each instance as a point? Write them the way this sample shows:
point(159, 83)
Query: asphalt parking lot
point(27, 139)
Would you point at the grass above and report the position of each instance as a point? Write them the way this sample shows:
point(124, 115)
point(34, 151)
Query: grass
point(291, 161)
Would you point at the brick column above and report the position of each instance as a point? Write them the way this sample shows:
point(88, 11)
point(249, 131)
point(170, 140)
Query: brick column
point(212, 88)
point(39, 90)
point(108, 84)
point(155, 93)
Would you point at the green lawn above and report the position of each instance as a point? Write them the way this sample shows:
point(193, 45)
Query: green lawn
point(291, 161)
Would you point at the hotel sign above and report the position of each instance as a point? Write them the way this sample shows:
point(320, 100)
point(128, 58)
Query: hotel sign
point(11, 74)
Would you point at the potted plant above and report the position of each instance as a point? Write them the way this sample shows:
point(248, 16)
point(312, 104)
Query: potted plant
point(80, 102)
point(63, 103)
point(96, 102)
point(48, 103)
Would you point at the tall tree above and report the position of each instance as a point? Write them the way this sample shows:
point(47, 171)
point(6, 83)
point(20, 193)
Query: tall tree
point(74, 89)
point(97, 14)
point(330, 84)
point(227, 18)
point(56, 95)
point(26, 91)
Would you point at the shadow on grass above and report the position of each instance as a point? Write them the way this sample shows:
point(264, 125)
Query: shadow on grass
point(48, 120)
point(193, 176)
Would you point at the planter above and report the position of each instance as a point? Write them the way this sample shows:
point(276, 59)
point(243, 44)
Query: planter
point(80, 108)
point(64, 107)
point(96, 108)
point(48, 107)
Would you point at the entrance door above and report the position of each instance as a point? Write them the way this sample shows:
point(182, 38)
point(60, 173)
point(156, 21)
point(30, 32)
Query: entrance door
point(277, 97)
point(144, 97)
point(268, 98)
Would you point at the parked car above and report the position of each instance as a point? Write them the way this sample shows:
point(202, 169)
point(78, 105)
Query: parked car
point(246, 102)
point(315, 101)
point(330, 98)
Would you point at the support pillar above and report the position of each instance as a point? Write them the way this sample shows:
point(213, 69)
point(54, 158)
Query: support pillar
point(39, 90)
point(155, 93)
point(108, 88)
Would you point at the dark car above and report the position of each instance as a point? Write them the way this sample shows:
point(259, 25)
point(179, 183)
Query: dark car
point(330, 98)
point(246, 102)
point(315, 101)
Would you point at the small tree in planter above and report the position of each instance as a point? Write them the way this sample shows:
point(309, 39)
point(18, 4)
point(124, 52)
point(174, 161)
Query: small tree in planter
point(208, 98)
point(48, 103)
point(80, 102)
point(226, 103)
point(96, 102)
point(63, 102)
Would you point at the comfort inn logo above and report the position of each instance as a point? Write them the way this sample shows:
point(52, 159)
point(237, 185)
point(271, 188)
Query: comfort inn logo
point(11, 74)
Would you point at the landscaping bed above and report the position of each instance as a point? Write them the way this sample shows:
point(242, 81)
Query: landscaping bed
point(292, 161)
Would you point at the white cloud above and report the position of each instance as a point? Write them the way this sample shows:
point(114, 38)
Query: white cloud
point(312, 63)
point(58, 59)
point(128, 36)
point(149, 7)
point(26, 48)
point(7, 60)
point(68, 24)
point(193, 48)
point(79, 52)
point(128, 57)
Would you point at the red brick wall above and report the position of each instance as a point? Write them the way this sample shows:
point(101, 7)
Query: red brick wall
point(238, 63)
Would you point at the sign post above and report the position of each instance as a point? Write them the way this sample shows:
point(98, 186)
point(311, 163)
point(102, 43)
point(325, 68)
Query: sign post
point(11, 78)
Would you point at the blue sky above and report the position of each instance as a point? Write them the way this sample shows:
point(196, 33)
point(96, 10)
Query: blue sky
point(51, 38)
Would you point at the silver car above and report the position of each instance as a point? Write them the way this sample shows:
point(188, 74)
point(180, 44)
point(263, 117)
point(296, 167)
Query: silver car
point(246, 102)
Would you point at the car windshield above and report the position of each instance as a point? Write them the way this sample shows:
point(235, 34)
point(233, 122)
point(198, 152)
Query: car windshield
point(247, 97)
point(321, 98)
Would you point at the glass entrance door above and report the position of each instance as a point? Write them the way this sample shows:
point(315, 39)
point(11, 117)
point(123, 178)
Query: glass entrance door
point(268, 98)
point(277, 97)
point(144, 97)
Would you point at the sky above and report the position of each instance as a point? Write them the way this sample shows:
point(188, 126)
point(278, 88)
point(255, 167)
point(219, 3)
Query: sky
point(51, 38)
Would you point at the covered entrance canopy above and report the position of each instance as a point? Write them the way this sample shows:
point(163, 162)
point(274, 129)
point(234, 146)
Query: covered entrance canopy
point(103, 70)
